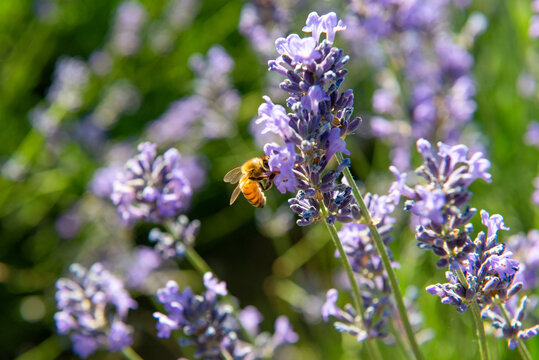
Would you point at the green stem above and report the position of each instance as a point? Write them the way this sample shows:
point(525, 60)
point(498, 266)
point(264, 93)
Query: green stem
point(480, 329)
point(372, 349)
point(200, 265)
point(382, 251)
point(130, 354)
point(522, 348)
point(226, 355)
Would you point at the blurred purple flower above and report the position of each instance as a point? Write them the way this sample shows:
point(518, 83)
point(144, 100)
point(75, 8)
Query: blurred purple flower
point(152, 188)
point(526, 250)
point(532, 134)
point(130, 18)
point(92, 309)
point(250, 318)
point(71, 77)
point(144, 260)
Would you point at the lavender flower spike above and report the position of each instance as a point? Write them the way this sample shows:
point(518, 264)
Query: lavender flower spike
point(441, 204)
point(205, 322)
point(489, 271)
point(152, 188)
point(93, 308)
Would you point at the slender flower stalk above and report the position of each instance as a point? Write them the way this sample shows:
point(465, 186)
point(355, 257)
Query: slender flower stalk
point(374, 352)
point(476, 313)
point(130, 354)
point(382, 251)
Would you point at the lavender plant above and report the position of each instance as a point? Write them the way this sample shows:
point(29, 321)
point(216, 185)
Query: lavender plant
point(424, 88)
point(312, 134)
point(481, 272)
point(441, 204)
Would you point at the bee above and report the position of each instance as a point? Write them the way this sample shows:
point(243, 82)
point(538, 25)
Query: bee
point(254, 178)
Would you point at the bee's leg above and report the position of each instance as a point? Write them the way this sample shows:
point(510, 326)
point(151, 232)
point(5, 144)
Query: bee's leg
point(269, 182)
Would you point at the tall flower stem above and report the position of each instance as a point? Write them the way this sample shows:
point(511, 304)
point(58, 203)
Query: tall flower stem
point(522, 348)
point(382, 251)
point(480, 329)
point(130, 354)
point(200, 265)
point(374, 352)
point(226, 355)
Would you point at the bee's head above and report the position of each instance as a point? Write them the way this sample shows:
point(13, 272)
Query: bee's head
point(265, 163)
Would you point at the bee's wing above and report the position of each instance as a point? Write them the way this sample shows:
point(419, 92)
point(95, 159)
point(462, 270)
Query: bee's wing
point(235, 194)
point(233, 176)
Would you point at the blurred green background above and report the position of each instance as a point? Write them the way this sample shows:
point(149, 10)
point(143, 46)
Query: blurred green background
point(280, 272)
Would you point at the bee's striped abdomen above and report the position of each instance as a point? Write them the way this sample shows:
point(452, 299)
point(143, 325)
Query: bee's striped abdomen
point(253, 194)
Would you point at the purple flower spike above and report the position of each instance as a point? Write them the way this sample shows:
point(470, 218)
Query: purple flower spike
point(441, 204)
point(298, 49)
point(327, 24)
point(207, 324)
point(152, 188)
point(93, 306)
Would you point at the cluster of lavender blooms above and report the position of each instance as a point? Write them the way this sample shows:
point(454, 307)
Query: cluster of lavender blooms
point(207, 114)
point(93, 307)
point(263, 21)
point(490, 273)
point(443, 214)
point(153, 187)
point(320, 119)
point(441, 204)
point(372, 278)
point(157, 189)
point(425, 84)
point(211, 326)
point(312, 134)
